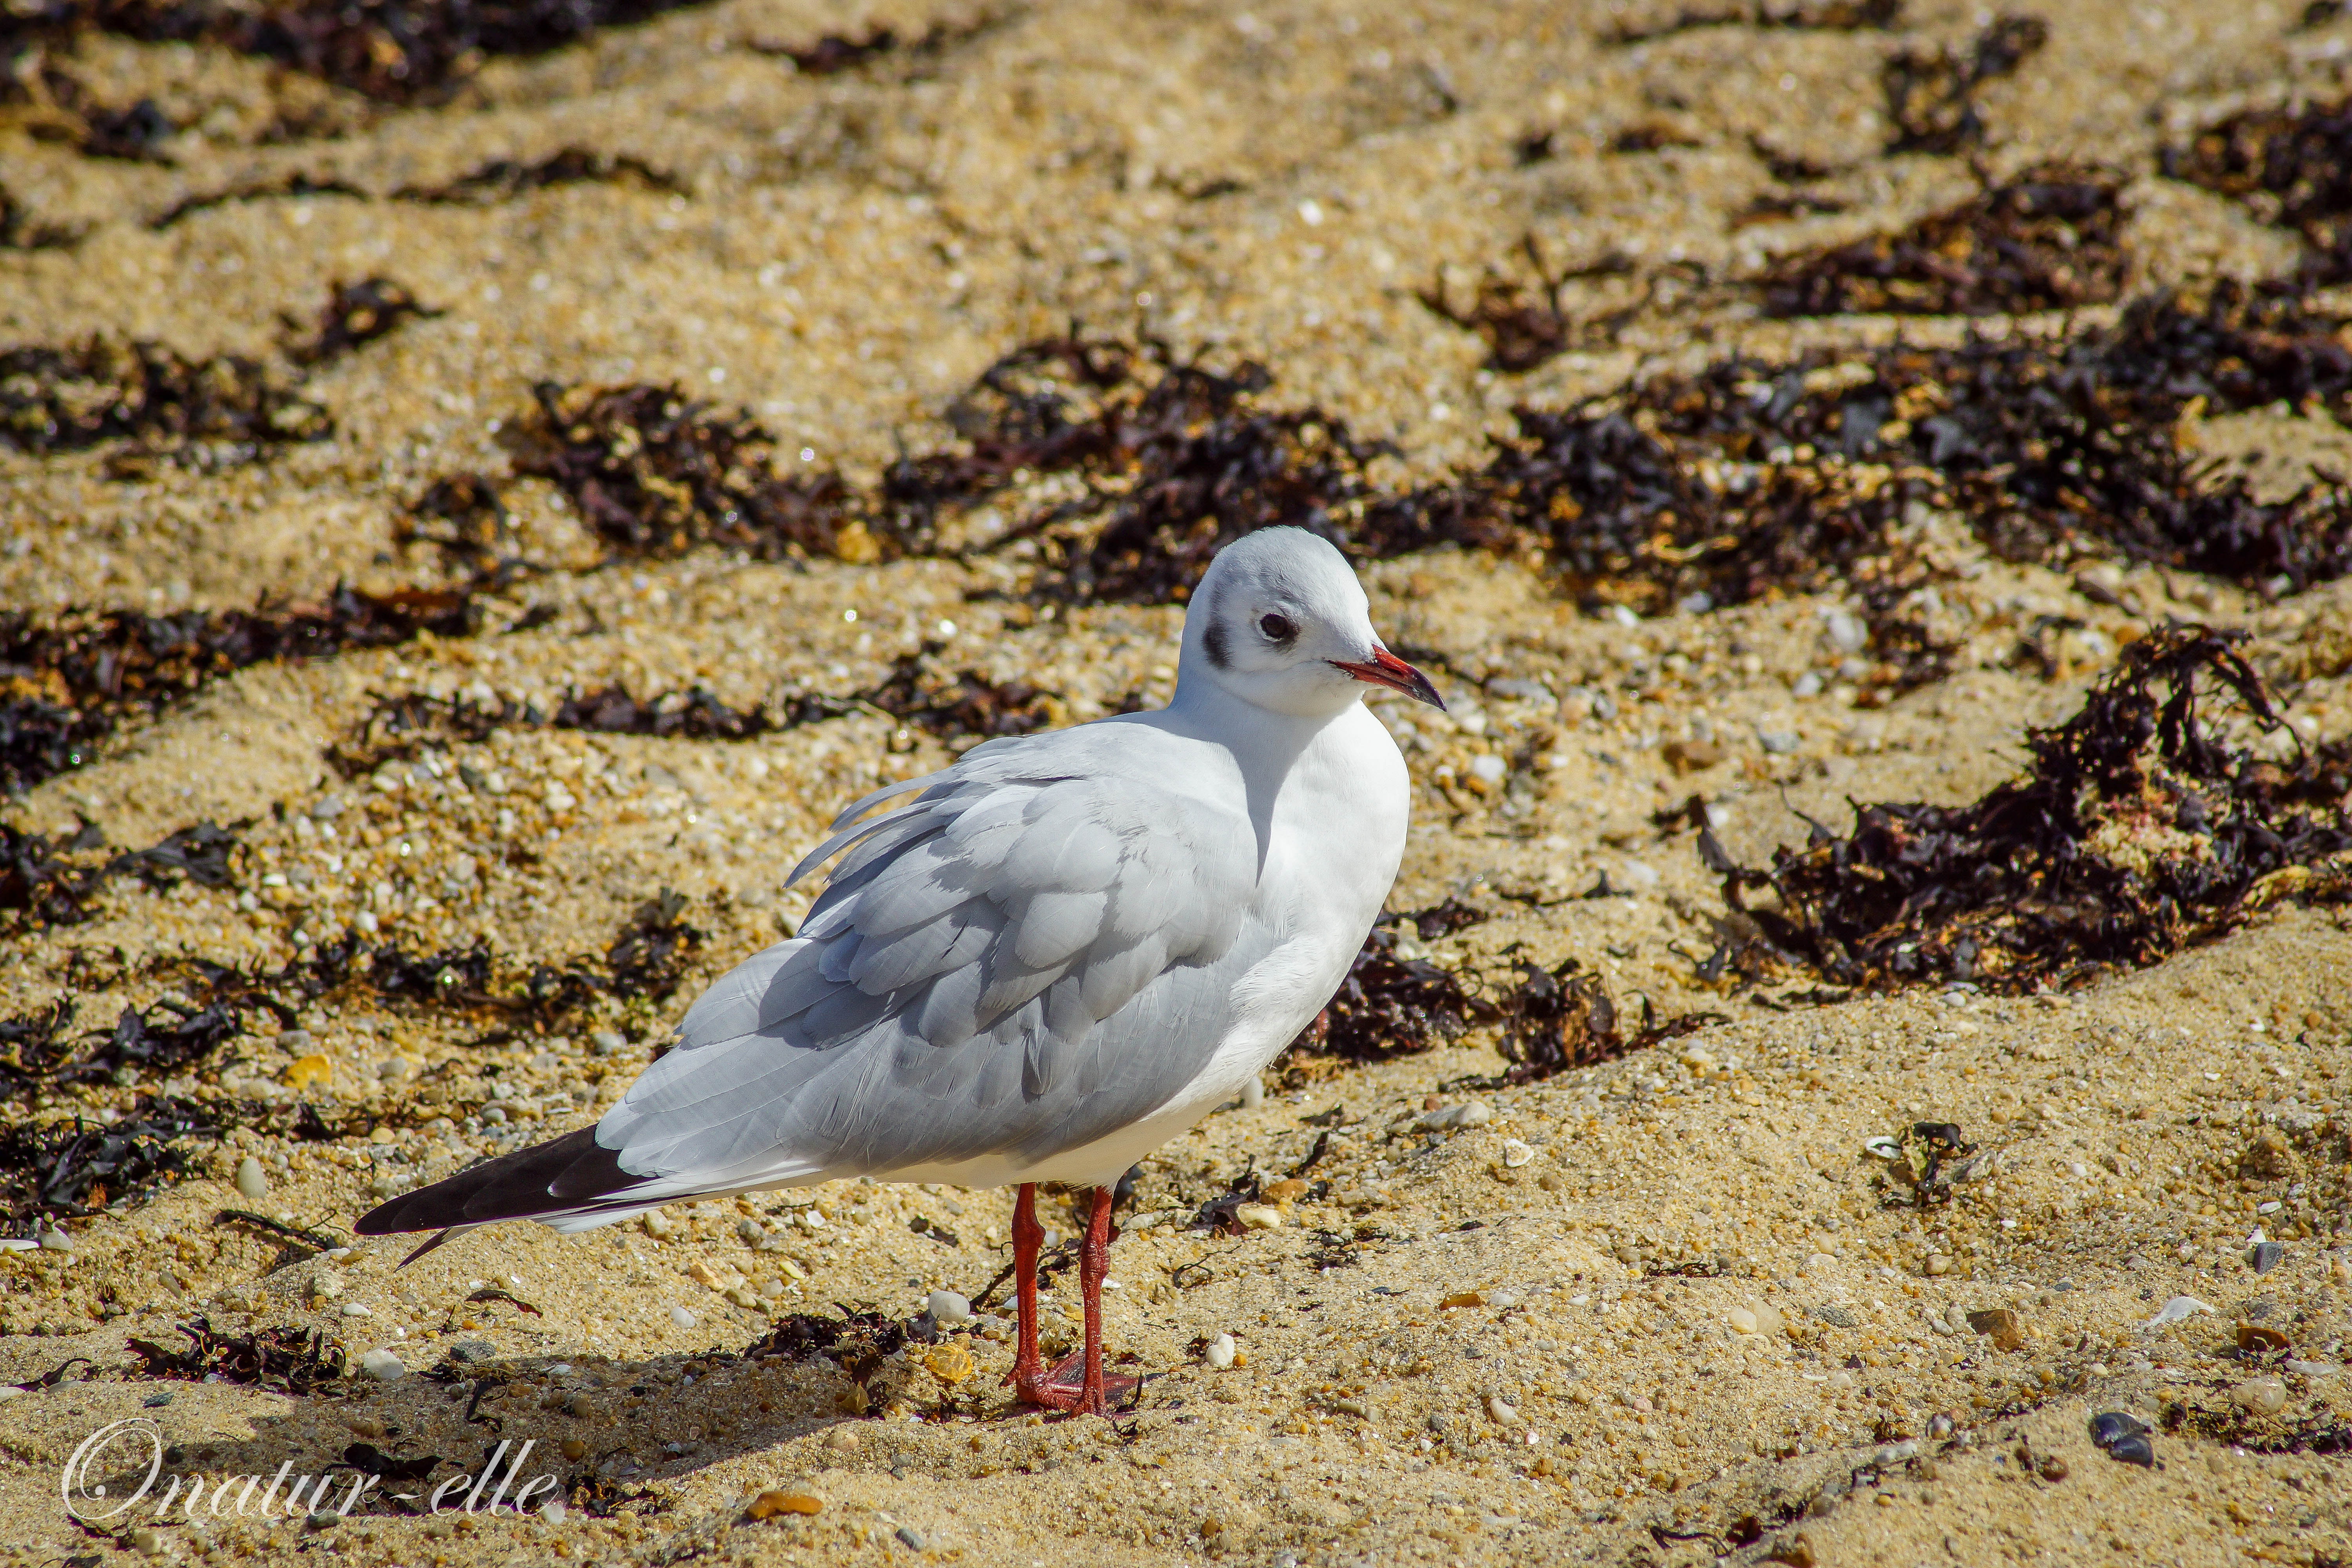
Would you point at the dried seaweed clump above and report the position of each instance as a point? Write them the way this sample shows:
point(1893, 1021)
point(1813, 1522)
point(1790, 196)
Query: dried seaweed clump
point(1390, 1005)
point(2291, 165)
point(67, 683)
point(290, 1361)
point(394, 51)
point(2135, 832)
point(71, 1170)
point(656, 473)
point(2048, 239)
point(964, 709)
point(1556, 1020)
point(1525, 325)
point(504, 179)
point(1827, 16)
point(1173, 461)
point(104, 389)
point(650, 956)
point(1747, 479)
point(39, 885)
point(859, 1342)
point(1931, 94)
point(357, 313)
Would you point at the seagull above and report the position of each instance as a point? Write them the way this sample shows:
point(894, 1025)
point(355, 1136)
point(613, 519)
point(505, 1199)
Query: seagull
point(1039, 964)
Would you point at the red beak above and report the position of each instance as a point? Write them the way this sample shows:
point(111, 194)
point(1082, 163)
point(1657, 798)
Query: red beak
point(1385, 668)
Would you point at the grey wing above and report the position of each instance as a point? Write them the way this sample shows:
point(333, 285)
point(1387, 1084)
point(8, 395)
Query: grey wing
point(1009, 964)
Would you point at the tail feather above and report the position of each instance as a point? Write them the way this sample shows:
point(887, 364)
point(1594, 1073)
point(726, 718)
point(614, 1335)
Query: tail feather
point(560, 1177)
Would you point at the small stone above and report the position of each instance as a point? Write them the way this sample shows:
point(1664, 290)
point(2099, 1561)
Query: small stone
point(769, 1505)
point(2261, 1396)
point(679, 1316)
point(157, 1401)
point(323, 1519)
point(951, 1363)
point(911, 1538)
point(1501, 1410)
point(469, 1351)
point(572, 1448)
point(2111, 1426)
point(552, 1510)
point(654, 1222)
point(1778, 743)
point(149, 1541)
point(305, 1070)
point(2054, 1468)
point(56, 1241)
point(1740, 1321)
point(1464, 1298)
point(2259, 1338)
point(947, 1309)
point(1939, 1425)
point(1220, 1352)
point(607, 1043)
point(1517, 1153)
point(2266, 1256)
point(354, 1309)
point(383, 1366)
point(1258, 1217)
point(843, 1440)
point(1690, 756)
point(2000, 1326)
point(1938, 1264)
point(2177, 1310)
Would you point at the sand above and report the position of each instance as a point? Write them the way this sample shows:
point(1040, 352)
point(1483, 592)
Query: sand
point(1666, 1309)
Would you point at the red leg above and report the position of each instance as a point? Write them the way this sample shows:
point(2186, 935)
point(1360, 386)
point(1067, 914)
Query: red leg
point(1089, 1392)
point(1028, 1367)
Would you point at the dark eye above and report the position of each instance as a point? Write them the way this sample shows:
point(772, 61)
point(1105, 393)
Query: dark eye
point(1277, 628)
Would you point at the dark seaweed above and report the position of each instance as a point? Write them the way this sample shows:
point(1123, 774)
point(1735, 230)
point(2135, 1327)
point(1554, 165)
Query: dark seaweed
point(357, 313)
point(656, 473)
point(75, 1169)
point(1827, 16)
point(278, 188)
point(290, 1360)
point(39, 886)
point(68, 113)
point(394, 51)
point(68, 681)
point(2135, 833)
point(1931, 93)
point(504, 179)
point(2293, 166)
point(2050, 239)
point(651, 955)
point(858, 1342)
point(1390, 1006)
point(106, 389)
point(1524, 326)
point(1558, 1019)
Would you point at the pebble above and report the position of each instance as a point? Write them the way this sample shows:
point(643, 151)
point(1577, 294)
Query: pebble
point(383, 1366)
point(770, 1504)
point(2261, 1396)
point(1502, 1410)
point(947, 1309)
point(1939, 1264)
point(654, 1222)
point(1258, 1217)
point(471, 1351)
point(2266, 1256)
point(1471, 1113)
point(607, 1043)
point(1778, 743)
point(56, 1241)
point(681, 1317)
point(354, 1309)
point(1517, 1153)
point(1219, 1353)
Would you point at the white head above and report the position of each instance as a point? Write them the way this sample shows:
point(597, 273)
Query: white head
point(1280, 622)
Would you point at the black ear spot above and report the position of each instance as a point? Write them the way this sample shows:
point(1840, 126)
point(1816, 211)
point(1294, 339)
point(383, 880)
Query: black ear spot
point(1277, 628)
point(1213, 643)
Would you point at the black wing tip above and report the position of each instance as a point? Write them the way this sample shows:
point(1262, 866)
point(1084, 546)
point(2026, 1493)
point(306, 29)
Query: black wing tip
point(551, 1178)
